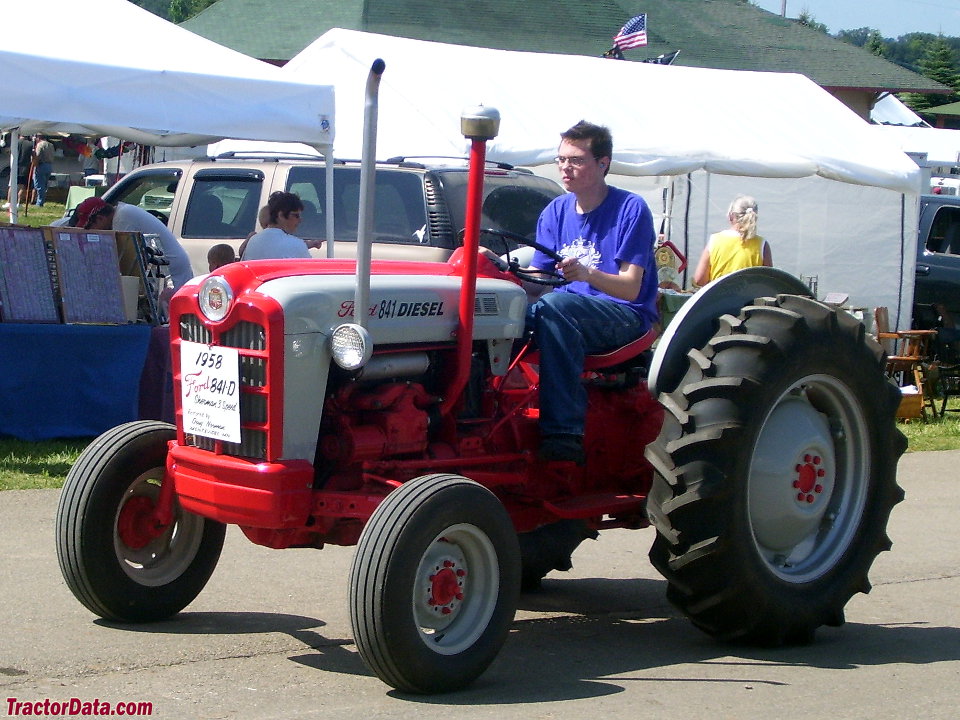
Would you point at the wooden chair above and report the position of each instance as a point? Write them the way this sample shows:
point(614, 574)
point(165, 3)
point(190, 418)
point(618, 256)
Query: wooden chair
point(908, 364)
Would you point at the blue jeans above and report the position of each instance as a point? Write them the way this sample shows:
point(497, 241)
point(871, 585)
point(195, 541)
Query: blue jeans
point(566, 327)
point(41, 176)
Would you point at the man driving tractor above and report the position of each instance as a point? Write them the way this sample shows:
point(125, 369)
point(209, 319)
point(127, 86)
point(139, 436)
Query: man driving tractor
point(606, 238)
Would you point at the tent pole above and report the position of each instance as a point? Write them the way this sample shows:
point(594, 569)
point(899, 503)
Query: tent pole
point(14, 193)
point(706, 213)
point(328, 155)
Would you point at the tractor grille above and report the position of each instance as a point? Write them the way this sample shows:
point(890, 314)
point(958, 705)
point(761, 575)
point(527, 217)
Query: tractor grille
point(251, 341)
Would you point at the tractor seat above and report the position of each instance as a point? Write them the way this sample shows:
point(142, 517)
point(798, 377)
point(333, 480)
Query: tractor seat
point(610, 359)
point(621, 354)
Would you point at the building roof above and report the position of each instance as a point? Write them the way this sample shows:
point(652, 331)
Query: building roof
point(952, 109)
point(728, 34)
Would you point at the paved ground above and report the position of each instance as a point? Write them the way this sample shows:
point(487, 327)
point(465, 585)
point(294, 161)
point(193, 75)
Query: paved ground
point(270, 637)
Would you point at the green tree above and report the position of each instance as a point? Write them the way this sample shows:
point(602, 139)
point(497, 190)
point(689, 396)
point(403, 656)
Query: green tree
point(939, 62)
point(181, 10)
point(806, 18)
point(856, 37)
point(875, 44)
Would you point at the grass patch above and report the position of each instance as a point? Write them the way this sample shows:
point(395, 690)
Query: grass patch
point(32, 465)
point(940, 434)
point(38, 216)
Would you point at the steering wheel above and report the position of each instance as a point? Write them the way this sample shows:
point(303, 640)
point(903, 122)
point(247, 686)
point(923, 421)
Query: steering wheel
point(159, 215)
point(550, 278)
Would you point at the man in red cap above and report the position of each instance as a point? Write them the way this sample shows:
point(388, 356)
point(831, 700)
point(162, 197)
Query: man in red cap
point(93, 214)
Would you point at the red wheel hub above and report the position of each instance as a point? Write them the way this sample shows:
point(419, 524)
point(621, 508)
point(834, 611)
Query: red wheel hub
point(446, 587)
point(809, 474)
point(137, 525)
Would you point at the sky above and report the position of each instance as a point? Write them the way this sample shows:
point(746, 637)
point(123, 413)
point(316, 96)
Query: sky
point(892, 18)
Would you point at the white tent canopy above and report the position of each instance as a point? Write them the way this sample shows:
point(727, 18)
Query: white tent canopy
point(832, 193)
point(937, 145)
point(146, 80)
point(666, 120)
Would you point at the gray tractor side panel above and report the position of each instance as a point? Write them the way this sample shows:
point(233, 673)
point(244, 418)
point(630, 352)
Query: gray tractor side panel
point(403, 309)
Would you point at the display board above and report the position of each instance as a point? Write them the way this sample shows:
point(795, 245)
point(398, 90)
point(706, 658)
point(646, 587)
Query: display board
point(28, 282)
point(89, 274)
point(70, 275)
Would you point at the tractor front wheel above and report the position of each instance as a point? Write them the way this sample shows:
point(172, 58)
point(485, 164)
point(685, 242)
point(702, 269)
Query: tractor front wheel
point(434, 584)
point(114, 556)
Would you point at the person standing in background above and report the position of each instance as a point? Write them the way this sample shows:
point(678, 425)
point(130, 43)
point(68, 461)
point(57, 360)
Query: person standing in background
point(24, 156)
point(89, 162)
point(43, 153)
point(737, 247)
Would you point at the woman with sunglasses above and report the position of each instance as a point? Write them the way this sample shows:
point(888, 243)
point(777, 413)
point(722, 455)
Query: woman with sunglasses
point(277, 239)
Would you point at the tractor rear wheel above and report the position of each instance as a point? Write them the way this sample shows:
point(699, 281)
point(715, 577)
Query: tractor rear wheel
point(775, 472)
point(434, 584)
point(113, 556)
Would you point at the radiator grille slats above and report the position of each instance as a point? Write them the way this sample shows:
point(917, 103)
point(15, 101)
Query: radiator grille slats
point(193, 331)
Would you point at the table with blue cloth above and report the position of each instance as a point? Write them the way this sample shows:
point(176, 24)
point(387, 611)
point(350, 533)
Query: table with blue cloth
point(59, 381)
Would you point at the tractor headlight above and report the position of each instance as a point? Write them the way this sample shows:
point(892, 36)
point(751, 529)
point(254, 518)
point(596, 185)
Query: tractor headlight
point(351, 346)
point(216, 296)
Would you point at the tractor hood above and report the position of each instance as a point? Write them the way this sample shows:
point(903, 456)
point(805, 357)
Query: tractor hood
point(410, 302)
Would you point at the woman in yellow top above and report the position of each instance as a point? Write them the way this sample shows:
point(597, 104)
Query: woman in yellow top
point(736, 248)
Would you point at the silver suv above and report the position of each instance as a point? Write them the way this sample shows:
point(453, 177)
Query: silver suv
point(419, 204)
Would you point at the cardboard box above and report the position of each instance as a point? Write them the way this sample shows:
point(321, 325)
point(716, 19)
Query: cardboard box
point(911, 406)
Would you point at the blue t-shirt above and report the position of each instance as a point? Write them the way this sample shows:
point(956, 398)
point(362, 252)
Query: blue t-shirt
point(618, 230)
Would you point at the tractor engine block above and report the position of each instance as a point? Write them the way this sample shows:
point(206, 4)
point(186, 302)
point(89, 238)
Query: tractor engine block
point(362, 424)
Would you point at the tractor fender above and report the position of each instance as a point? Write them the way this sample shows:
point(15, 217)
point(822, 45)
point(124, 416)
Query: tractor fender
point(695, 322)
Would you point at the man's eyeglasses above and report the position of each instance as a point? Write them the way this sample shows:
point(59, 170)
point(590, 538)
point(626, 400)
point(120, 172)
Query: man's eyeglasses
point(294, 214)
point(578, 161)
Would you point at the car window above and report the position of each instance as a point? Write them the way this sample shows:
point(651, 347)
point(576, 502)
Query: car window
point(222, 207)
point(399, 212)
point(302, 181)
point(154, 192)
point(944, 234)
point(511, 202)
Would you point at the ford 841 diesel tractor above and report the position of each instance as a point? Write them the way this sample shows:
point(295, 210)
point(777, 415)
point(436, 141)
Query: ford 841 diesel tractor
point(393, 405)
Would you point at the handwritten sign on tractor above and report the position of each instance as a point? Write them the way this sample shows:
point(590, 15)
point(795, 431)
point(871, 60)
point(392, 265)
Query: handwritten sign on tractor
point(210, 391)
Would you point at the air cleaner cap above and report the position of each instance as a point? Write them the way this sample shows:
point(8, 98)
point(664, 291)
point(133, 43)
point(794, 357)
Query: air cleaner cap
point(480, 123)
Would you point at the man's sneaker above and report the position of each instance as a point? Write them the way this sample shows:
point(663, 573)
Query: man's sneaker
point(562, 448)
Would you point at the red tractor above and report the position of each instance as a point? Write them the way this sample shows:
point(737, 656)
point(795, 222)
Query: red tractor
point(394, 405)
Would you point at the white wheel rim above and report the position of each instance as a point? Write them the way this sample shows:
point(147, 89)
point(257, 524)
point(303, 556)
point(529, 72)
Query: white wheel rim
point(166, 557)
point(455, 590)
point(809, 477)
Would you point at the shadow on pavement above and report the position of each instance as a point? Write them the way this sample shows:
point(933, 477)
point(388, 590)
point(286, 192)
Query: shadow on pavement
point(592, 635)
point(221, 623)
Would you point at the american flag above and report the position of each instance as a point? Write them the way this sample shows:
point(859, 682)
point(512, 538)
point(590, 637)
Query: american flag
point(633, 34)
